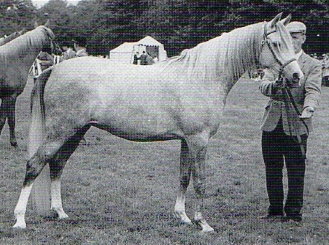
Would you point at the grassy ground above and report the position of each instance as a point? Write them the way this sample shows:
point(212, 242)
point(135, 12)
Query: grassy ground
point(120, 192)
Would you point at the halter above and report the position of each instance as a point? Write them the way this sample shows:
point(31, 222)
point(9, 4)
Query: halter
point(267, 41)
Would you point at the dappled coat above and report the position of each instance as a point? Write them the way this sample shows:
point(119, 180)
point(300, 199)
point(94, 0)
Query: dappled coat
point(308, 94)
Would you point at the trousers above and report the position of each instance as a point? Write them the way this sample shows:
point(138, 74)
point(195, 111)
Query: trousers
point(278, 149)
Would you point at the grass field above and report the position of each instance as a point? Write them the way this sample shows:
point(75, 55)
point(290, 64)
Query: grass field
point(120, 192)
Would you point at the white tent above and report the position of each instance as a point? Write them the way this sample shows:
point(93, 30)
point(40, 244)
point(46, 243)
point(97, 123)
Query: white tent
point(149, 42)
point(125, 52)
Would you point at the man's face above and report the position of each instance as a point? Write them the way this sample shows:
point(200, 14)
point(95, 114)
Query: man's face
point(297, 40)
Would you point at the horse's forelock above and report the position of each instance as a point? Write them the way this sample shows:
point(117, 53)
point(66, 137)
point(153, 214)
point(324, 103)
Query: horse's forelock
point(284, 35)
point(47, 31)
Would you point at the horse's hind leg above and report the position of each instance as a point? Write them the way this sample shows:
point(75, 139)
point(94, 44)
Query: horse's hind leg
point(56, 168)
point(56, 153)
point(185, 175)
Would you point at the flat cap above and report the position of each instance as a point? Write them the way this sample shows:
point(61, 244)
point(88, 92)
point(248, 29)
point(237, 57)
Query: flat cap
point(296, 27)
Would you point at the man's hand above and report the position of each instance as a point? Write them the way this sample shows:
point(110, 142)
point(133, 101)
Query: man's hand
point(307, 112)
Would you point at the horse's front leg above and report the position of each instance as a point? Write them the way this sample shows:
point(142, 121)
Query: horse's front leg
point(11, 107)
point(3, 115)
point(185, 175)
point(7, 110)
point(199, 148)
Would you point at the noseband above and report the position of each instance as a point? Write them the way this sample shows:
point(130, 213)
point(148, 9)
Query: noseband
point(267, 41)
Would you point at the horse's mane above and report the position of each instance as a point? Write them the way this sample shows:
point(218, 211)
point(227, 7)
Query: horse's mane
point(229, 54)
point(7, 39)
point(34, 39)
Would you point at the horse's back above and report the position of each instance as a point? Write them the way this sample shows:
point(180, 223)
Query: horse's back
point(100, 74)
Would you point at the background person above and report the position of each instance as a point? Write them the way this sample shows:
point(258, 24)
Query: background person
point(284, 137)
point(149, 60)
point(136, 58)
point(143, 58)
point(325, 70)
point(68, 53)
point(80, 46)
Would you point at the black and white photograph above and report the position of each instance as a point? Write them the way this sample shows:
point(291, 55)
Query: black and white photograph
point(164, 122)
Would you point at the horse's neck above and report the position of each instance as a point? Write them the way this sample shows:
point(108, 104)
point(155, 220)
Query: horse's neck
point(247, 51)
point(224, 59)
point(26, 47)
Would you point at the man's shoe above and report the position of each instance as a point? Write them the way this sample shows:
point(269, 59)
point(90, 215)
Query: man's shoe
point(270, 217)
point(292, 217)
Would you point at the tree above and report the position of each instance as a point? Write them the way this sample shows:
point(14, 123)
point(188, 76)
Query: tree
point(16, 15)
point(178, 24)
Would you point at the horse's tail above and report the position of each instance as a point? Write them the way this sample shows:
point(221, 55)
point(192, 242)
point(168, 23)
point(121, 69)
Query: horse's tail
point(37, 135)
point(37, 120)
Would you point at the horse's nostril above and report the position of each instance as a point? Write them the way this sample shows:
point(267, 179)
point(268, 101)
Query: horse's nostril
point(295, 76)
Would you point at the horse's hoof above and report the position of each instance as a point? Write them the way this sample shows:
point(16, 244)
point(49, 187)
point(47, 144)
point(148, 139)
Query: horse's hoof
point(183, 218)
point(208, 230)
point(59, 212)
point(63, 216)
point(19, 226)
point(14, 144)
point(204, 226)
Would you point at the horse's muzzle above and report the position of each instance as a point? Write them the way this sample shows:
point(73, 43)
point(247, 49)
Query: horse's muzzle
point(295, 77)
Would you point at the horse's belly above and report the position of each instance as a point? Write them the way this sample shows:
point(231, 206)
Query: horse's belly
point(139, 127)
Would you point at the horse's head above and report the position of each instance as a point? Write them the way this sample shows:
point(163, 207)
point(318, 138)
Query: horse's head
point(50, 45)
point(277, 51)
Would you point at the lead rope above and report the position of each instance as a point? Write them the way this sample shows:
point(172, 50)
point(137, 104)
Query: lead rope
point(294, 117)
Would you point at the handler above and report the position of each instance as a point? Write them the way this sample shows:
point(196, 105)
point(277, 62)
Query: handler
point(80, 46)
point(285, 129)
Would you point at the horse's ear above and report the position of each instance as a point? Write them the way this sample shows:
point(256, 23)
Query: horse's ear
point(286, 20)
point(47, 23)
point(22, 32)
point(273, 22)
point(36, 24)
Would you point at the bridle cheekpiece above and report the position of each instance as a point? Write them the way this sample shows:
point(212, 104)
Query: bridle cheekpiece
point(267, 41)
